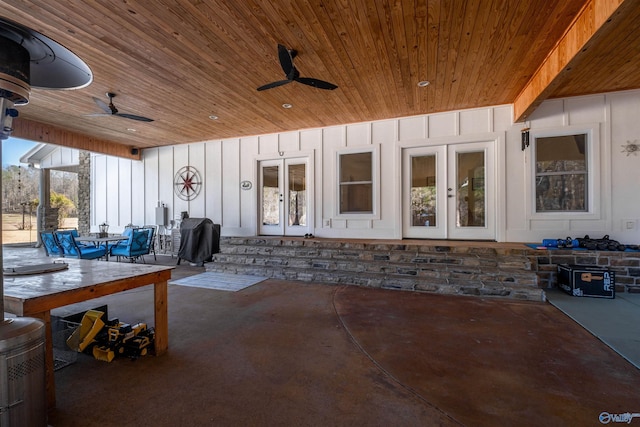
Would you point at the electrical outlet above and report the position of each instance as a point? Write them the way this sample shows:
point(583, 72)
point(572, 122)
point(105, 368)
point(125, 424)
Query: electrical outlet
point(327, 223)
point(628, 224)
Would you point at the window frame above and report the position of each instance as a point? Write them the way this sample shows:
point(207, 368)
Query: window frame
point(592, 154)
point(375, 183)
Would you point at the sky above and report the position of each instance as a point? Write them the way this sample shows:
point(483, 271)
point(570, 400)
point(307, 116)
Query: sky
point(13, 149)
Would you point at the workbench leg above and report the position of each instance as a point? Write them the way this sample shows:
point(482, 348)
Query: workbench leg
point(161, 317)
point(48, 345)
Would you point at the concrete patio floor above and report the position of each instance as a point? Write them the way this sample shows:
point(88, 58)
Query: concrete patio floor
point(290, 353)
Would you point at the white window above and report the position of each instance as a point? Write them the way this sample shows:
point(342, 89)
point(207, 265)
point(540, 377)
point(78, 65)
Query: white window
point(565, 173)
point(357, 183)
point(561, 173)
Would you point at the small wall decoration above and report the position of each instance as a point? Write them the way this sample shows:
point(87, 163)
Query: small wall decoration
point(246, 185)
point(631, 147)
point(187, 183)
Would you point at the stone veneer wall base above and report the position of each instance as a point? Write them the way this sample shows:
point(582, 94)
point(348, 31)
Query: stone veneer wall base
point(491, 270)
point(443, 269)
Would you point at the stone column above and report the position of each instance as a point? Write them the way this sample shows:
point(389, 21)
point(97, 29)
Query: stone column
point(84, 193)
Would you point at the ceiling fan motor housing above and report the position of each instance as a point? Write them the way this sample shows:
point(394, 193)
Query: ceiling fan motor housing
point(15, 69)
point(28, 58)
point(14, 82)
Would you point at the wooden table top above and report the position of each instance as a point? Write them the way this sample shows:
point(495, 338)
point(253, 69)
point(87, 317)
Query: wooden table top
point(84, 279)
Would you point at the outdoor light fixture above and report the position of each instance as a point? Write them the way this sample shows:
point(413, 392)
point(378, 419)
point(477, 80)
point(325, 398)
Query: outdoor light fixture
point(524, 134)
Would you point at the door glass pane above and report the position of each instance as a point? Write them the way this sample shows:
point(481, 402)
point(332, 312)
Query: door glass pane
point(423, 191)
point(297, 195)
point(270, 196)
point(471, 210)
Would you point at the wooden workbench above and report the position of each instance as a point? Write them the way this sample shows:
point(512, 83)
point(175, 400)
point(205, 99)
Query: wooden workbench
point(36, 295)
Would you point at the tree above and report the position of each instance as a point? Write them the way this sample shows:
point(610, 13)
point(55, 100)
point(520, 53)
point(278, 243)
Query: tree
point(20, 185)
point(62, 203)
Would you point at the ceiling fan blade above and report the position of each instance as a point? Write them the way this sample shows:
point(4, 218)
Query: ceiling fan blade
point(286, 61)
point(134, 117)
point(320, 84)
point(103, 105)
point(274, 84)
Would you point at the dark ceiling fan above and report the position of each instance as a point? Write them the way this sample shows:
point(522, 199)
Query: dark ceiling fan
point(111, 110)
point(293, 75)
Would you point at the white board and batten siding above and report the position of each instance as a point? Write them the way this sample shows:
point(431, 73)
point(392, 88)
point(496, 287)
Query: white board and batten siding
point(126, 191)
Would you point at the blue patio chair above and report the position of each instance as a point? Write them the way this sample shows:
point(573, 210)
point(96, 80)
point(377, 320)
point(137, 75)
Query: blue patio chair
point(135, 247)
point(151, 244)
point(50, 243)
point(70, 247)
point(123, 243)
point(74, 233)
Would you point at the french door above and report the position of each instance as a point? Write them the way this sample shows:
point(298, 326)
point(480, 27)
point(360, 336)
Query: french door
point(449, 191)
point(284, 197)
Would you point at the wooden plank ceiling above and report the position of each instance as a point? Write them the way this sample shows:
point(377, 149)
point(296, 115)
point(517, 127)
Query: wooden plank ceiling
point(180, 61)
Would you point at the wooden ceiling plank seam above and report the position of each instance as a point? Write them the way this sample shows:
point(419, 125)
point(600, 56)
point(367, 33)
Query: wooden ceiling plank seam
point(431, 42)
point(442, 56)
point(593, 18)
point(418, 58)
point(500, 53)
point(361, 25)
point(460, 76)
point(195, 44)
point(486, 23)
point(453, 46)
point(392, 46)
point(340, 60)
point(408, 11)
point(521, 44)
point(495, 24)
point(356, 68)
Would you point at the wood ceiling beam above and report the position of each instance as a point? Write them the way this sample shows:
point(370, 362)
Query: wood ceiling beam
point(594, 21)
point(45, 133)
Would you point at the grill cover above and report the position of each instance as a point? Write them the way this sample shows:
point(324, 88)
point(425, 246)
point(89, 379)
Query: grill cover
point(199, 240)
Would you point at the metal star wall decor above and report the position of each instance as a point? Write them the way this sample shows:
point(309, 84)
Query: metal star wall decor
point(631, 147)
point(187, 183)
